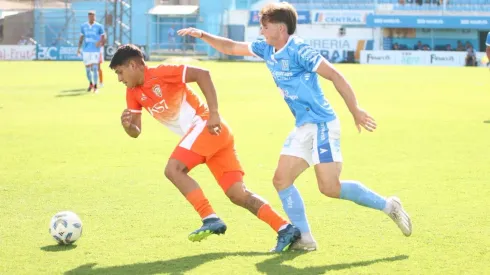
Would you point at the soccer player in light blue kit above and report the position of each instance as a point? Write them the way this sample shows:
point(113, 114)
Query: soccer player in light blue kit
point(92, 37)
point(315, 140)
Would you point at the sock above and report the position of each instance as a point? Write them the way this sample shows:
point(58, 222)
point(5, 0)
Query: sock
point(201, 204)
point(268, 215)
point(210, 216)
point(95, 70)
point(101, 78)
point(360, 194)
point(89, 74)
point(295, 208)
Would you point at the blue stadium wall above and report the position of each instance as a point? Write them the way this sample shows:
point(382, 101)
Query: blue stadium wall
point(144, 26)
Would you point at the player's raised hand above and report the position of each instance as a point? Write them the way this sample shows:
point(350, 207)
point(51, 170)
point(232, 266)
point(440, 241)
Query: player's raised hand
point(191, 32)
point(126, 118)
point(214, 123)
point(362, 118)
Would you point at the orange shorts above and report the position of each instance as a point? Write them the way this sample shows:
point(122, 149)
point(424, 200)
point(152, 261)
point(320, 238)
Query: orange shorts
point(218, 152)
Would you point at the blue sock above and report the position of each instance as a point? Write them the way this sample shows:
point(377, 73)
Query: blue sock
point(95, 70)
point(89, 74)
point(360, 194)
point(295, 208)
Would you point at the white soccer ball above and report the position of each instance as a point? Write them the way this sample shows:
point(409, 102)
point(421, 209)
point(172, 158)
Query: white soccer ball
point(65, 227)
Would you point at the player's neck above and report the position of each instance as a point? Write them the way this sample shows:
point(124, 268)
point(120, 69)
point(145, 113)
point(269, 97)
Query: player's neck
point(281, 43)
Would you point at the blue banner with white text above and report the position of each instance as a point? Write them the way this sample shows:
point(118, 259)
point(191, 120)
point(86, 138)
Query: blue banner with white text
point(432, 22)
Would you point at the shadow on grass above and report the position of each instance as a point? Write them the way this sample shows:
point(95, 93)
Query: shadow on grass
point(58, 247)
point(176, 266)
point(275, 265)
point(72, 93)
point(172, 266)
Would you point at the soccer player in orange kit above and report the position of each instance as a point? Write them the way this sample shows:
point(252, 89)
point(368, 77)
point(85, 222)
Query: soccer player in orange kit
point(206, 138)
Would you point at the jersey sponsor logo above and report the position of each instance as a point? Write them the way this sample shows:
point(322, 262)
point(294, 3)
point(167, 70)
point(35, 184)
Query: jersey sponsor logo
point(282, 75)
point(286, 94)
point(323, 150)
point(157, 91)
point(158, 108)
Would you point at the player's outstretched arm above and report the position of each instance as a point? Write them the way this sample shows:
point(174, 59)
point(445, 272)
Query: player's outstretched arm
point(131, 123)
point(222, 44)
point(361, 117)
point(203, 78)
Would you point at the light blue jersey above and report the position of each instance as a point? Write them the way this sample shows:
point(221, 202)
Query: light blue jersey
point(294, 71)
point(488, 40)
point(91, 35)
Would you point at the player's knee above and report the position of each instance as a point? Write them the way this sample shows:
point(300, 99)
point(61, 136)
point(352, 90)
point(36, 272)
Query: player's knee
point(280, 180)
point(330, 187)
point(174, 169)
point(237, 193)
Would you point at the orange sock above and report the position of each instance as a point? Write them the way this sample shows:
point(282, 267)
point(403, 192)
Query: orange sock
point(201, 204)
point(268, 215)
point(101, 79)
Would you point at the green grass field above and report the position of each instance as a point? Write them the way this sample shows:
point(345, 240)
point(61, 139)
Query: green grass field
point(62, 148)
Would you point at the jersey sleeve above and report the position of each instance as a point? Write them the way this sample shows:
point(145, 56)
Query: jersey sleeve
point(257, 48)
point(81, 30)
point(308, 58)
point(172, 73)
point(101, 30)
point(488, 40)
point(132, 104)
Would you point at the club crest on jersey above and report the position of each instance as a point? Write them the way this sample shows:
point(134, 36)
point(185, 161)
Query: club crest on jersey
point(157, 91)
point(285, 65)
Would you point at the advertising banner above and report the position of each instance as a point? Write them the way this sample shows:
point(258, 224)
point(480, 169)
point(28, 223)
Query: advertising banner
point(339, 17)
point(434, 22)
point(17, 52)
point(419, 58)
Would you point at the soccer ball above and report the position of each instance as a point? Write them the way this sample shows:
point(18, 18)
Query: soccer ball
point(65, 227)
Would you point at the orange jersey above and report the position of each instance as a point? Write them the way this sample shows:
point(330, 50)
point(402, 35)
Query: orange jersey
point(167, 98)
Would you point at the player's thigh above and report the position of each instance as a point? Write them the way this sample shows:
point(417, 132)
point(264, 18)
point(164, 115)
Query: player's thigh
point(225, 167)
point(295, 156)
point(328, 178)
point(288, 169)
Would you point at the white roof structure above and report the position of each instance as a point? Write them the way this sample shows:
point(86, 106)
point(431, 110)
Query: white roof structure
point(173, 10)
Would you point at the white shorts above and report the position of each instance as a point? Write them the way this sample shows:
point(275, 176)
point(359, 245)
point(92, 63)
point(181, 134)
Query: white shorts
point(315, 143)
point(91, 58)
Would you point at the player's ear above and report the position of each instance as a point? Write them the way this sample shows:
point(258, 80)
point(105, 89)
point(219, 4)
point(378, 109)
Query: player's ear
point(132, 64)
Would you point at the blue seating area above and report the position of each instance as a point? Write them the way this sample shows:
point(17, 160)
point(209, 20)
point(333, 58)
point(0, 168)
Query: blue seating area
point(401, 5)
